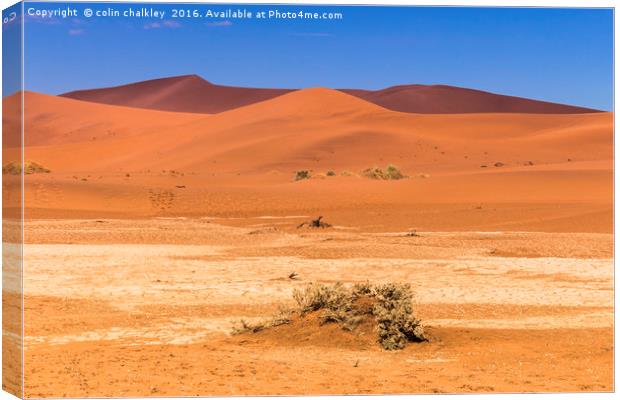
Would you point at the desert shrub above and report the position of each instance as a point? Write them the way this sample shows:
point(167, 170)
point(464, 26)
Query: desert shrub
point(393, 311)
point(363, 289)
point(12, 168)
point(243, 326)
point(282, 317)
point(319, 296)
point(389, 306)
point(29, 167)
point(338, 304)
point(374, 173)
point(302, 174)
point(391, 172)
point(331, 173)
point(314, 223)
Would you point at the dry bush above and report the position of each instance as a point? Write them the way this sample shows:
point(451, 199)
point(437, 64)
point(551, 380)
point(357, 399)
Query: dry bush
point(331, 173)
point(29, 167)
point(302, 174)
point(314, 223)
point(391, 172)
point(374, 173)
point(393, 312)
point(389, 306)
point(282, 317)
point(394, 173)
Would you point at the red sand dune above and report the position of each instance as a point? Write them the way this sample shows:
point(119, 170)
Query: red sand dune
point(194, 94)
point(188, 93)
point(443, 99)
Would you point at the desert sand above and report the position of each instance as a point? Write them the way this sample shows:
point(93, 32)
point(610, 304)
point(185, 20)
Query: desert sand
point(188, 93)
point(191, 93)
point(155, 231)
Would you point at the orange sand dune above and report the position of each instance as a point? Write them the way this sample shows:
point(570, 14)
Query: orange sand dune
point(191, 93)
point(54, 120)
point(311, 129)
point(243, 161)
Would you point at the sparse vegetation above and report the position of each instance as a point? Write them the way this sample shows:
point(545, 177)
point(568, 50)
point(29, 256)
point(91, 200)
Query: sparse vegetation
point(283, 316)
point(388, 307)
point(302, 174)
point(29, 167)
point(331, 173)
point(347, 173)
point(314, 223)
point(391, 172)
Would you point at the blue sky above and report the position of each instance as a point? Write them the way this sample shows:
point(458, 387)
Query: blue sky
point(561, 55)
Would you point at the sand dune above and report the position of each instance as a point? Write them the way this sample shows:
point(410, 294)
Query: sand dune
point(511, 260)
point(56, 120)
point(188, 93)
point(193, 94)
point(443, 99)
point(312, 129)
point(118, 161)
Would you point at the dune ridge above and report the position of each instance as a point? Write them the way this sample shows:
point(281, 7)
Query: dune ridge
point(188, 93)
point(191, 93)
point(317, 128)
point(126, 161)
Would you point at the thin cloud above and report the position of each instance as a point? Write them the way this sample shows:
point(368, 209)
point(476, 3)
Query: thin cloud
point(220, 23)
point(76, 32)
point(165, 24)
point(152, 25)
point(312, 34)
point(172, 24)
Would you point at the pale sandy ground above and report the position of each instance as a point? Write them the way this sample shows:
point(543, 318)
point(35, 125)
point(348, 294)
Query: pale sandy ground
point(98, 314)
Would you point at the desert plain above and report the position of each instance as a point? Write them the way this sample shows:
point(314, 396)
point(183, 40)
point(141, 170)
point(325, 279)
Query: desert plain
point(154, 231)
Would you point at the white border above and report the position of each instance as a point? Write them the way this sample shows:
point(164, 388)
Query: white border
point(489, 3)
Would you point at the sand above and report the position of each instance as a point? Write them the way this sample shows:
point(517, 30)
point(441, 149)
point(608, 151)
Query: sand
point(188, 93)
point(155, 231)
point(191, 93)
point(168, 308)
